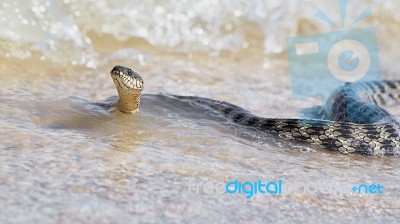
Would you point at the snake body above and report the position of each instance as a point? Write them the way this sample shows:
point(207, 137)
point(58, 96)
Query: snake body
point(354, 121)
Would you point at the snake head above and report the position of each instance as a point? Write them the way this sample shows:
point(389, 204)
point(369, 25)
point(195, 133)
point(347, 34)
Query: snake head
point(126, 79)
point(129, 86)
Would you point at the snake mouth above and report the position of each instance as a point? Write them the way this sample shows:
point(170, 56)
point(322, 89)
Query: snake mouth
point(126, 78)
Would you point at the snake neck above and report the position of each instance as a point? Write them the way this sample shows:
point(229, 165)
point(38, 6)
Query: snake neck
point(128, 102)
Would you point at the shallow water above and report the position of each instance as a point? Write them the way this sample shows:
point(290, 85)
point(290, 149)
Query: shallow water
point(63, 161)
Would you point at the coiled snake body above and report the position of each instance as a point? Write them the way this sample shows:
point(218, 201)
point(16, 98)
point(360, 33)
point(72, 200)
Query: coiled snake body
point(354, 121)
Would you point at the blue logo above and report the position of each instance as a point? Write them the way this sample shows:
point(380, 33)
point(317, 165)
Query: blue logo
point(321, 63)
point(368, 189)
point(251, 188)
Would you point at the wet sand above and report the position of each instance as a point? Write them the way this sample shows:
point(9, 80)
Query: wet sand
point(65, 163)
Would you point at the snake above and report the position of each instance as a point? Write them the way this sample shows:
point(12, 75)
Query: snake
point(353, 120)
